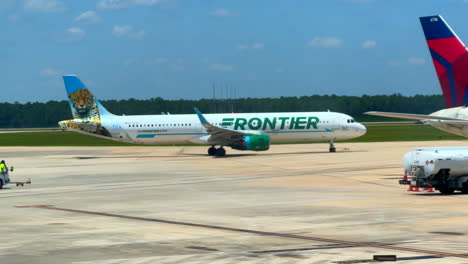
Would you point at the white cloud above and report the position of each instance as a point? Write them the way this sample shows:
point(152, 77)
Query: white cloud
point(128, 31)
point(131, 61)
point(369, 44)
point(45, 6)
point(6, 4)
point(395, 63)
point(176, 67)
point(49, 72)
point(147, 2)
point(221, 67)
point(258, 46)
point(242, 46)
point(14, 18)
point(139, 35)
point(121, 31)
point(120, 4)
point(409, 61)
point(327, 42)
point(73, 34)
point(157, 61)
point(88, 17)
point(416, 61)
point(253, 46)
point(112, 4)
point(360, 1)
point(221, 12)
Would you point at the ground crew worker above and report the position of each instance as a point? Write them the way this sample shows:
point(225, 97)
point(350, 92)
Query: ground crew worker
point(3, 167)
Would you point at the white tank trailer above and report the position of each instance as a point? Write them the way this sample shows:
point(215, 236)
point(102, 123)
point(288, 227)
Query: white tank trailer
point(443, 168)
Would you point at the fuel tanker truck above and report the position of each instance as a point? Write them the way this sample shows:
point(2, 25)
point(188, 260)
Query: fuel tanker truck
point(442, 168)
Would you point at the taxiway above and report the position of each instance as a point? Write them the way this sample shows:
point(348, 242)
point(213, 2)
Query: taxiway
point(292, 204)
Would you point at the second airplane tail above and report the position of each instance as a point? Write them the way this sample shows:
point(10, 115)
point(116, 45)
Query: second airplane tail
point(84, 105)
point(450, 58)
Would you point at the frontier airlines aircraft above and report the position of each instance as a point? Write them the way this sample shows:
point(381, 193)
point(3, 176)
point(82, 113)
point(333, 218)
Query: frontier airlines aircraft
point(252, 131)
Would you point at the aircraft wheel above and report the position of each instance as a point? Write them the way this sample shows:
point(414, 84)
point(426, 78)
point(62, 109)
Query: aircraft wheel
point(332, 149)
point(220, 152)
point(212, 151)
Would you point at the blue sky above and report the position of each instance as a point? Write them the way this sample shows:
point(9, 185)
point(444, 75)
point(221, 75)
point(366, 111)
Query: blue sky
point(179, 48)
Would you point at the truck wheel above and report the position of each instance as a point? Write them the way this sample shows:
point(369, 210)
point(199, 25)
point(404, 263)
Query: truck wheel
point(465, 188)
point(446, 190)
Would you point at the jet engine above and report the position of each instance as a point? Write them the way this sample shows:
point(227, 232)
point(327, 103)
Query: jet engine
point(254, 142)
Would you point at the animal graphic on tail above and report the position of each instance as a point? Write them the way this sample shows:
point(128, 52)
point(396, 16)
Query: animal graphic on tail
point(85, 106)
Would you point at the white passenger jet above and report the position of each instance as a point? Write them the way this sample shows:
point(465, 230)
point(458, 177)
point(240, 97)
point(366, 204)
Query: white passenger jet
point(450, 58)
point(241, 131)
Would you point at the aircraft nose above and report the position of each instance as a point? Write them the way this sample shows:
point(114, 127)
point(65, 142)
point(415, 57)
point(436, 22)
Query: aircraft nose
point(361, 129)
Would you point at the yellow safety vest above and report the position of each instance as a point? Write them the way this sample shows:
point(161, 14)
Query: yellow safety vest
point(2, 167)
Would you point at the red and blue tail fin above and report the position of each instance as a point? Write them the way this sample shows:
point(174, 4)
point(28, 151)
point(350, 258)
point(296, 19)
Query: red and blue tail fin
point(450, 58)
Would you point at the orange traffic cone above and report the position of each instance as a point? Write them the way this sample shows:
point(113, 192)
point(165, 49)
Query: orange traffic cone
point(416, 189)
point(430, 189)
point(410, 188)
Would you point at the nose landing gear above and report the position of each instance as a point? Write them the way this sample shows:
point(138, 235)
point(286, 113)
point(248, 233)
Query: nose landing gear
point(332, 146)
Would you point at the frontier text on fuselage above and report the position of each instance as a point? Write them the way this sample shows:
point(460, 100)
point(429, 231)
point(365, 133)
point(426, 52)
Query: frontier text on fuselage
point(255, 123)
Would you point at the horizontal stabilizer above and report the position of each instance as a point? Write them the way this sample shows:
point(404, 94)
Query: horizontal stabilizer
point(84, 126)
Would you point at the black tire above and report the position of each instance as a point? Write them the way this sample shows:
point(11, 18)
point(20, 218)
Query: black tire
point(221, 152)
point(332, 149)
point(1, 184)
point(465, 188)
point(446, 190)
point(212, 151)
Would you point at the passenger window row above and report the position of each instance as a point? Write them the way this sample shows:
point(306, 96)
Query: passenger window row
point(161, 125)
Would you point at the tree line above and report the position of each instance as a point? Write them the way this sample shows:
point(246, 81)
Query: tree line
point(47, 114)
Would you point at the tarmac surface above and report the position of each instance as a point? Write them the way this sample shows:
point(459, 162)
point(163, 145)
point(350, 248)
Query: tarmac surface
point(292, 204)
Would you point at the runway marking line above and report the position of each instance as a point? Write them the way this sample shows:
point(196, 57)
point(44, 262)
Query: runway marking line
point(255, 232)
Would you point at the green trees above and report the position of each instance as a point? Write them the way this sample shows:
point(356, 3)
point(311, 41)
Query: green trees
point(16, 115)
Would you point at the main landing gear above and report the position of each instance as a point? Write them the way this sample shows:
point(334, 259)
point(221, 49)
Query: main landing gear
point(332, 147)
point(219, 152)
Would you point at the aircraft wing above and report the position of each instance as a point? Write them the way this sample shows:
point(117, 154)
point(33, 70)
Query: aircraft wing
point(449, 122)
point(413, 116)
point(220, 135)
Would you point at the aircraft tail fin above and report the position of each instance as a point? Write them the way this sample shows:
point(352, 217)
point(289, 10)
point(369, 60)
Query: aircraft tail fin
point(83, 104)
point(450, 58)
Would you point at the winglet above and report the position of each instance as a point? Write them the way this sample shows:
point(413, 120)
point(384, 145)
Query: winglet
point(201, 117)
